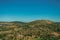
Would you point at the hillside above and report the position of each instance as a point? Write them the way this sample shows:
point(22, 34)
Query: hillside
point(35, 30)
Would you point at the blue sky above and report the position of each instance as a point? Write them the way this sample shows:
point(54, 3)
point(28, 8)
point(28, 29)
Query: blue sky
point(28, 10)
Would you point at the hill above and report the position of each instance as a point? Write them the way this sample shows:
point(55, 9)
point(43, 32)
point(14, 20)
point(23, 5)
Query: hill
point(35, 30)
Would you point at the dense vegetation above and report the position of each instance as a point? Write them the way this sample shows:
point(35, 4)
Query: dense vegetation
point(35, 30)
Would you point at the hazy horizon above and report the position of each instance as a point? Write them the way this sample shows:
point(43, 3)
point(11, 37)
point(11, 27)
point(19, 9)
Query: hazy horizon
point(29, 10)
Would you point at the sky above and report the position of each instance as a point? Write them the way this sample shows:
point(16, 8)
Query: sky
point(28, 10)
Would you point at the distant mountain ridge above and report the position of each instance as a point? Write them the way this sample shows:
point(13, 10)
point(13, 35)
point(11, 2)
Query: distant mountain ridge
point(31, 21)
